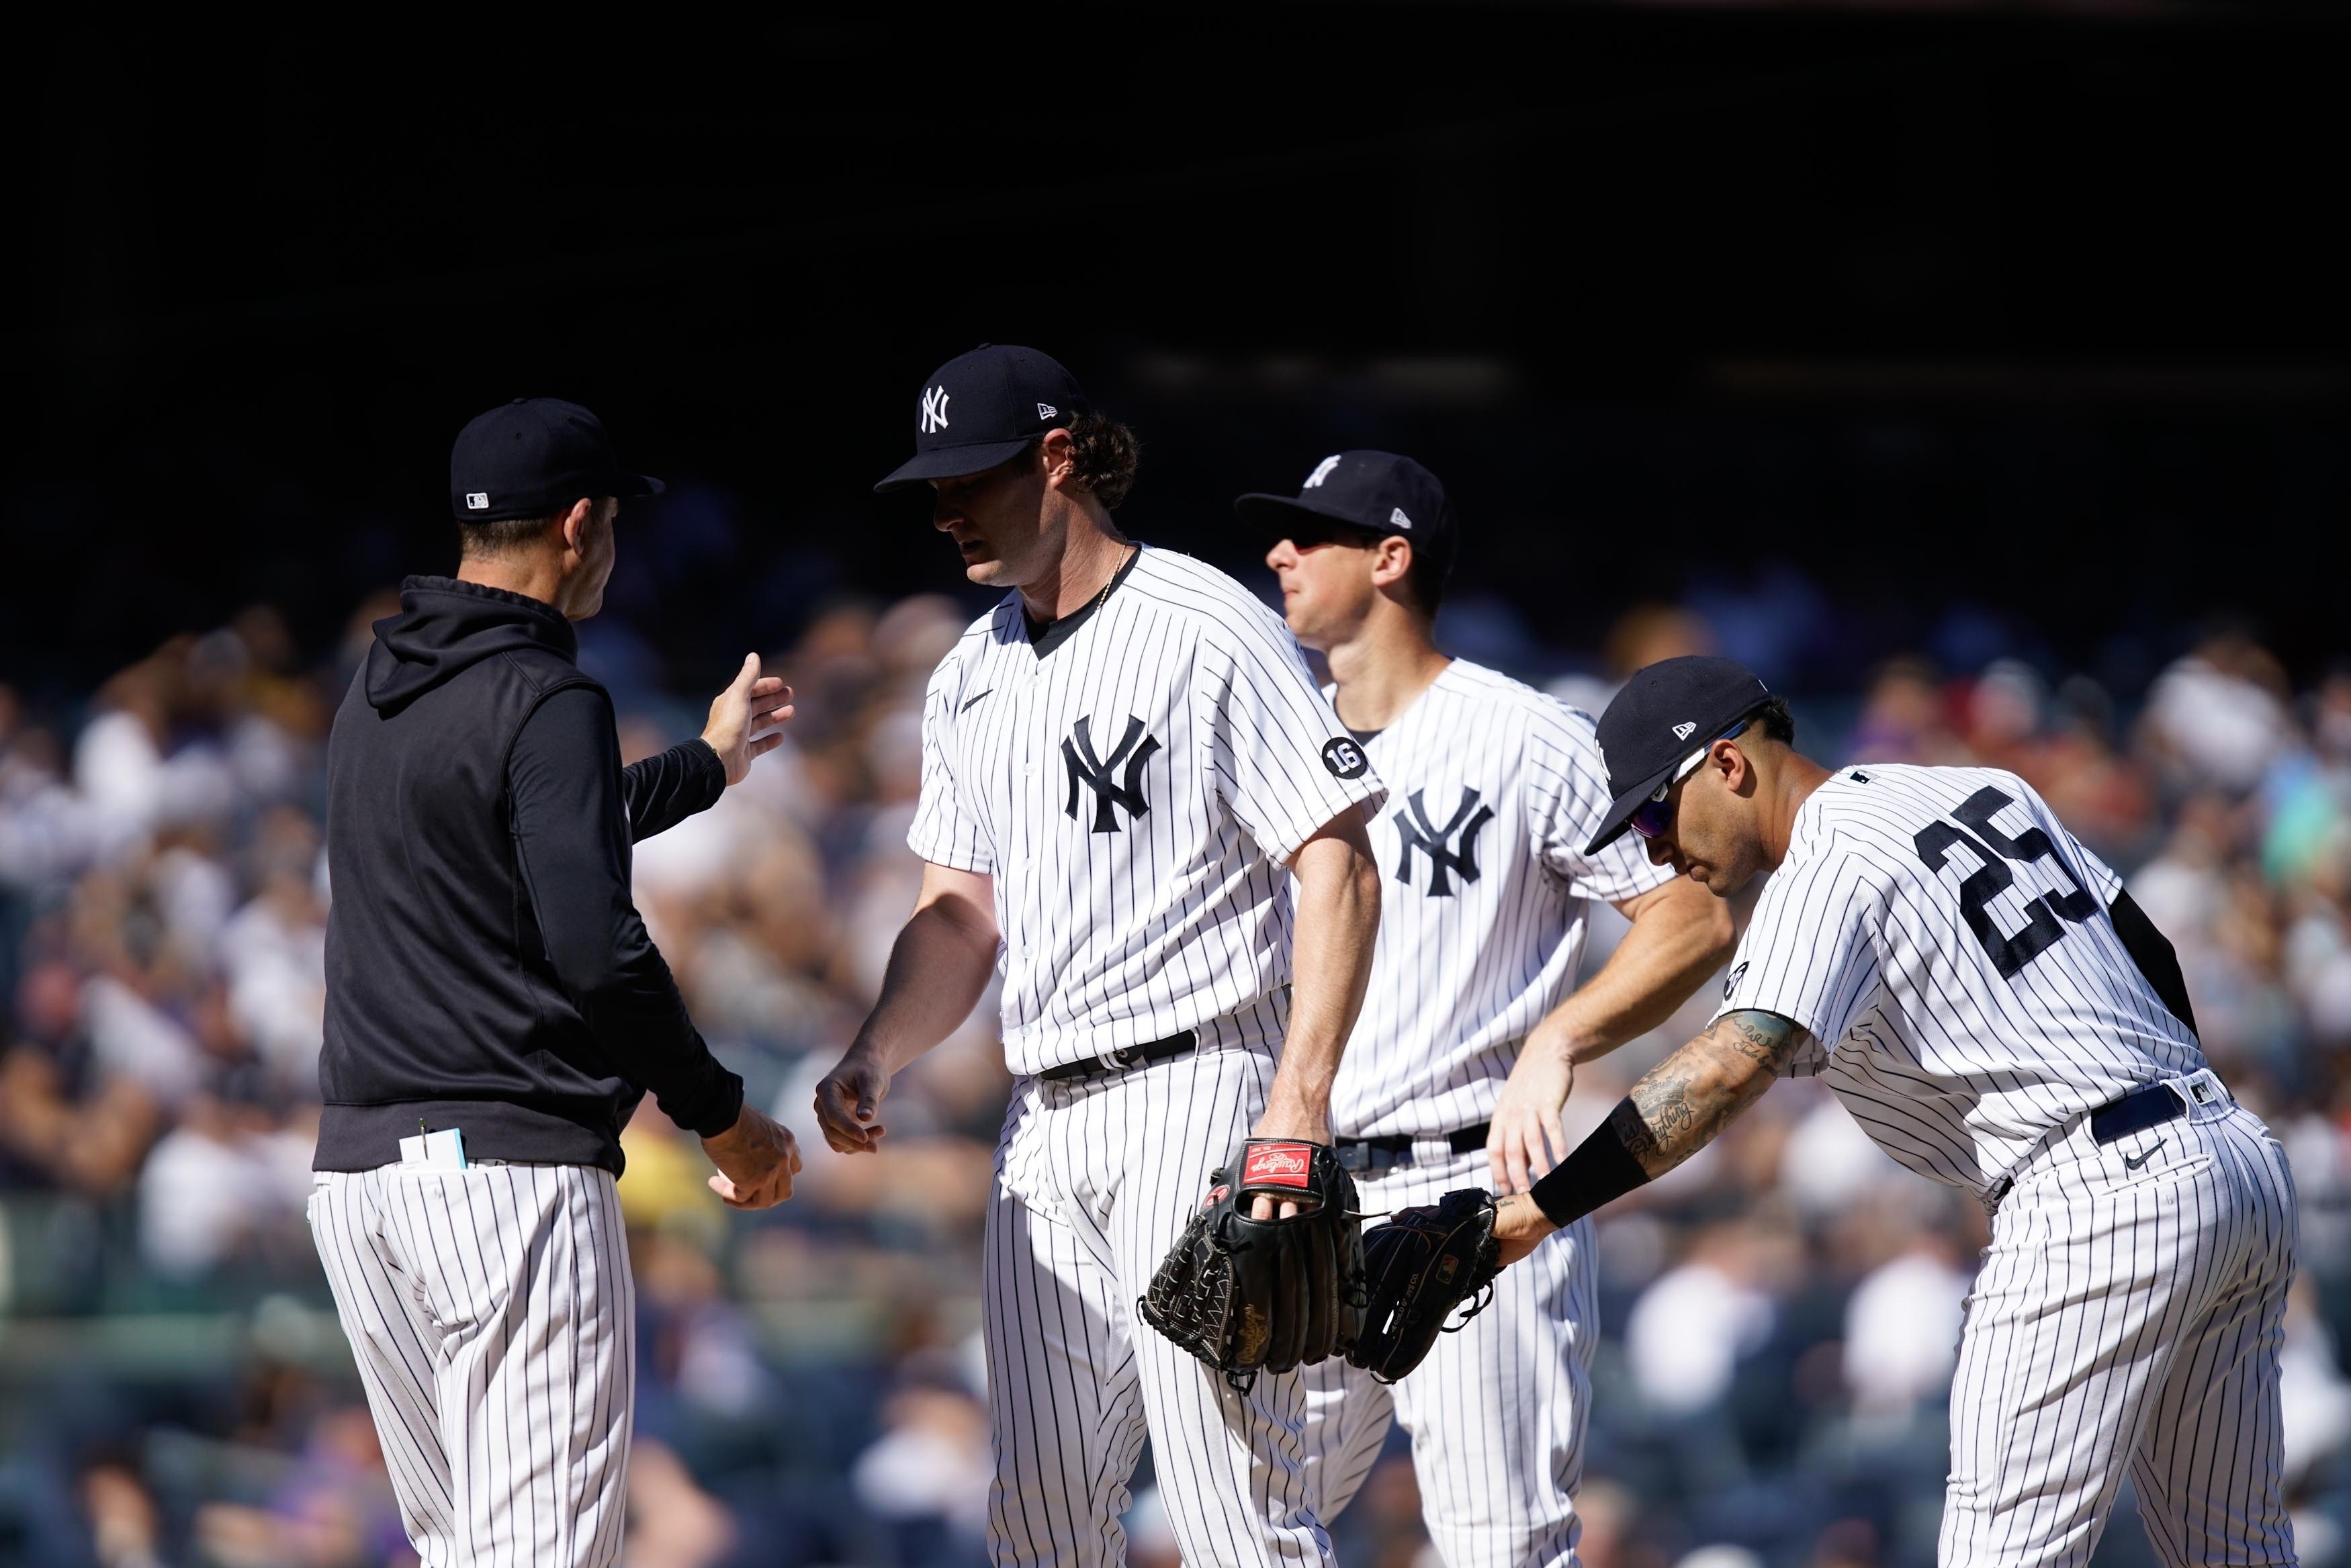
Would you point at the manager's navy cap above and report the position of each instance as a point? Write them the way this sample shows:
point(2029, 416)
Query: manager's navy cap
point(983, 408)
point(1376, 490)
point(1667, 712)
point(534, 456)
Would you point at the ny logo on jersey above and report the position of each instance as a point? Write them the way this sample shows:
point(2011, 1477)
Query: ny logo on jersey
point(1133, 749)
point(1437, 843)
point(934, 417)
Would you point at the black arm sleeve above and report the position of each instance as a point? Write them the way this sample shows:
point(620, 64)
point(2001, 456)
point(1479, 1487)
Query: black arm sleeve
point(663, 790)
point(1600, 1170)
point(564, 778)
point(2152, 951)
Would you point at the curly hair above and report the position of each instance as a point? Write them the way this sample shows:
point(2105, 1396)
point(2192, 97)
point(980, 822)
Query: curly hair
point(1779, 724)
point(1104, 455)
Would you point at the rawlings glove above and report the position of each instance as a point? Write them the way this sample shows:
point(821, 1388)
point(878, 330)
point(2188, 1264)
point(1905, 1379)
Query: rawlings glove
point(1265, 1295)
point(1419, 1267)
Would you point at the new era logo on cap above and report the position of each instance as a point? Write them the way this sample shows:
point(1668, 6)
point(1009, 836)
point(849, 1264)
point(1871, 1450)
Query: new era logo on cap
point(1399, 519)
point(1048, 411)
point(478, 501)
point(1646, 749)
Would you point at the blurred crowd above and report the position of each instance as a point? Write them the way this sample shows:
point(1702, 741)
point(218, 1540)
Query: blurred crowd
point(1779, 1313)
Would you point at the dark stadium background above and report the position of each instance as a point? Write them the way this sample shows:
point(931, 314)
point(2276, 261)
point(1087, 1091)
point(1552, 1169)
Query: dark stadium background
point(2034, 308)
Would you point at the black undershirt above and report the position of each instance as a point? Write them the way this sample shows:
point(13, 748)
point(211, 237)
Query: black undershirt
point(1044, 636)
point(1363, 737)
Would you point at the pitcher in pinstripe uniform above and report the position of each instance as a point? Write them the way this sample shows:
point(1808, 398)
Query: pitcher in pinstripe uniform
point(1472, 1026)
point(1125, 765)
point(1997, 1013)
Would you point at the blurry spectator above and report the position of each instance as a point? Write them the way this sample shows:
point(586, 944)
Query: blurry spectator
point(67, 1119)
point(1902, 1329)
point(1691, 1327)
point(1906, 717)
point(218, 1183)
point(673, 1522)
point(2219, 716)
point(927, 1476)
point(125, 1525)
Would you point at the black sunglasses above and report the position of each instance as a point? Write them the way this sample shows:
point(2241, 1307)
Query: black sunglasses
point(1655, 815)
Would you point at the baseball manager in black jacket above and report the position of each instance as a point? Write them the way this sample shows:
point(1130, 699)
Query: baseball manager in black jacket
point(496, 1010)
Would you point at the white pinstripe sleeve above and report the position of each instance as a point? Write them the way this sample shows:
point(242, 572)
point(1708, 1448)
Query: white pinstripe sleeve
point(1810, 953)
point(943, 833)
point(1568, 789)
point(1273, 736)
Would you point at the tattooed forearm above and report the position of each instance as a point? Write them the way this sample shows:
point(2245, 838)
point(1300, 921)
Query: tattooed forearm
point(1691, 1095)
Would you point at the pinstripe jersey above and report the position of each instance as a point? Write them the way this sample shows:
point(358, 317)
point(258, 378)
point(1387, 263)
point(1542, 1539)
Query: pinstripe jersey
point(1946, 941)
point(1134, 793)
point(1493, 790)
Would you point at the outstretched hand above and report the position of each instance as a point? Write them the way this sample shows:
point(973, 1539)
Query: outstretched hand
point(747, 719)
point(756, 1160)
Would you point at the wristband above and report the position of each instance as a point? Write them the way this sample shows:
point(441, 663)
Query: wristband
point(1601, 1170)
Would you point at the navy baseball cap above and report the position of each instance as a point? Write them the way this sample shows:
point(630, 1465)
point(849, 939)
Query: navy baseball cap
point(1669, 710)
point(983, 408)
point(1378, 491)
point(534, 456)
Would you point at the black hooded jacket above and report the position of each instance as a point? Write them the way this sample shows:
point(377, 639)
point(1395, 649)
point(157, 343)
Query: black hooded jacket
point(486, 967)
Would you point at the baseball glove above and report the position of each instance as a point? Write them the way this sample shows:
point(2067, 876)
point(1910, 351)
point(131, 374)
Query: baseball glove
point(1419, 1267)
point(1265, 1295)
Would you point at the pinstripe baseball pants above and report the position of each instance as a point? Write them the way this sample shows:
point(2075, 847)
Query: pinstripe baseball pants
point(1094, 1181)
point(493, 1318)
point(2131, 1311)
point(1498, 1411)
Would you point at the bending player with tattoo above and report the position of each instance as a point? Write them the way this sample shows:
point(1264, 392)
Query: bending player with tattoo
point(2000, 1016)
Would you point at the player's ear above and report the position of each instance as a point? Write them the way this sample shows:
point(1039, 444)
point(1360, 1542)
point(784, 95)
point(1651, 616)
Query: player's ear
point(578, 526)
point(1733, 763)
point(1057, 454)
point(1391, 560)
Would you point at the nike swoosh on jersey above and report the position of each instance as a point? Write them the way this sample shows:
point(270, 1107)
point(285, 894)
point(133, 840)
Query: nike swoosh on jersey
point(2130, 1164)
point(989, 692)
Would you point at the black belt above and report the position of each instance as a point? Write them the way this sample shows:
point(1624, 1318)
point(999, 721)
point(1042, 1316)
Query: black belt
point(2148, 1106)
point(1120, 1061)
point(1395, 1148)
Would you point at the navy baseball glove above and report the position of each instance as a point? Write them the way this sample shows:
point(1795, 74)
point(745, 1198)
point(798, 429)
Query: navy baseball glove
point(1419, 1267)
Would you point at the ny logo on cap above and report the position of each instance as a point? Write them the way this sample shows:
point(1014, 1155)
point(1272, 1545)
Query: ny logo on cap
point(1321, 471)
point(1683, 731)
point(1397, 517)
point(477, 501)
point(934, 410)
